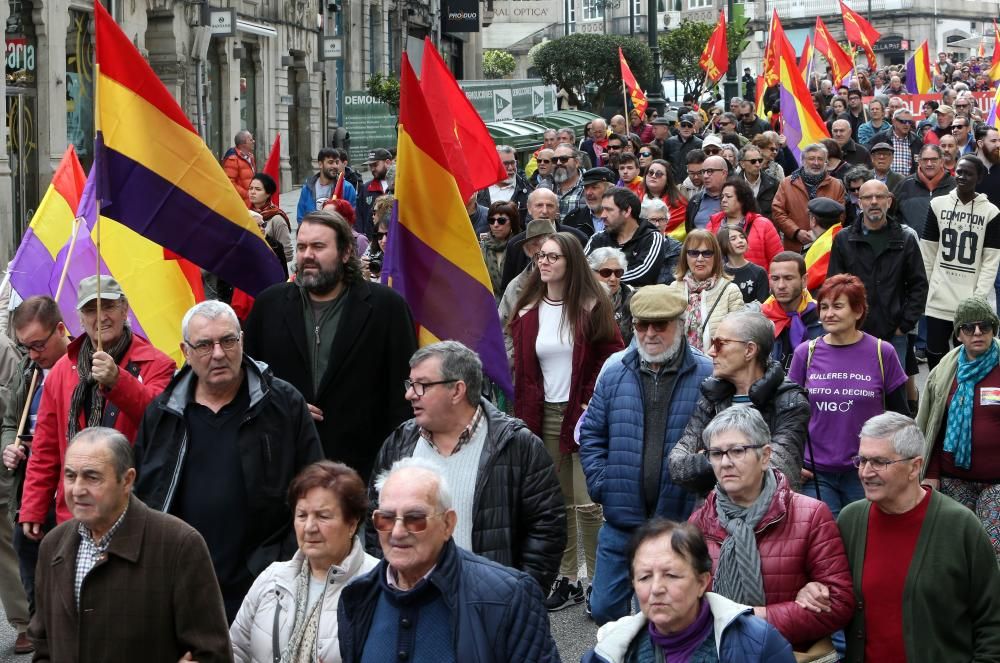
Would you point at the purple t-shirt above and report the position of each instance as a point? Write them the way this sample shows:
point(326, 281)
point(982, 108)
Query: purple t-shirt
point(846, 388)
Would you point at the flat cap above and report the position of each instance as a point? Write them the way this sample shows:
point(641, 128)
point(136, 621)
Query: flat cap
point(658, 302)
point(881, 147)
point(661, 122)
point(599, 174)
point(825, 208)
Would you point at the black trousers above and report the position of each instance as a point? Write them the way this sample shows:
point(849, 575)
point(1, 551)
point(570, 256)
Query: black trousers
point(940, 339)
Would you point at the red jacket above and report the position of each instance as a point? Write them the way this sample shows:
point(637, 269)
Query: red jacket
point(799, 542)
point(129, 397)
point(529, 389)
point(763, 242)
point(240, 170)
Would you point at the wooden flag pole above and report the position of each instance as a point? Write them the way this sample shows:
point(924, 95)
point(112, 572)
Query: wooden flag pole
point(69, 255)
point(27, 408)
point(624, 98)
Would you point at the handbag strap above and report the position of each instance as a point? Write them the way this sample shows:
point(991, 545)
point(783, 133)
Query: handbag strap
point(726, 283)
point(275, 646)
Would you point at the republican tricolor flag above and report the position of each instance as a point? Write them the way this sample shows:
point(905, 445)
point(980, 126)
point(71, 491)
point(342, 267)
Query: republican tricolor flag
point(994, 72)
point(635, 93)
point(918, 70)
point(715, 58)
point(802, 124)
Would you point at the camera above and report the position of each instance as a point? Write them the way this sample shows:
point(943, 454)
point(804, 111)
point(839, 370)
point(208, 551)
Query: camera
point(375, 265)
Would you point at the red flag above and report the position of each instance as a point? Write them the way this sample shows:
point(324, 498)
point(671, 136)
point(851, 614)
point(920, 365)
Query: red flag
point(272, 167)
point(860, 32)
point(715, 58)
point(338, 191)
point(639, 101)
point(471, 152)
point(775, 37)
point(840, 62)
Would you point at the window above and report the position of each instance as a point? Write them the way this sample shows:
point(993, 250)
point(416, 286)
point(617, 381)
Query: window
point(593, 9)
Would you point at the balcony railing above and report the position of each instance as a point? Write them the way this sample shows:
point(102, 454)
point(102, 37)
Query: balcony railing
point(791, 9)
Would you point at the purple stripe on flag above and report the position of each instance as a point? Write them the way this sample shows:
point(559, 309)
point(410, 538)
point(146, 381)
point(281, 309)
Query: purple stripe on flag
point(30, 268)
point(911, 74)
point(449, 303)
point(167, 215)
point(792, 126)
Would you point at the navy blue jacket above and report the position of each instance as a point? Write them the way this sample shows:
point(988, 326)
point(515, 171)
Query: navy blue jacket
point(611, 439)
point(497, 613)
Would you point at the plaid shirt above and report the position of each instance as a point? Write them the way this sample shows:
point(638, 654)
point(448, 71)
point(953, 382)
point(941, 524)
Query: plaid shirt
point(91, 553)
point(902, 157)
point(466, 435)
point(572, 200)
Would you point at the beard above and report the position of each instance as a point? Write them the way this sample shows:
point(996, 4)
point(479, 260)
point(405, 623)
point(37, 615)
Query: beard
point(668, 355)
point(322, 281)
point(560, 174)
point(992, 156)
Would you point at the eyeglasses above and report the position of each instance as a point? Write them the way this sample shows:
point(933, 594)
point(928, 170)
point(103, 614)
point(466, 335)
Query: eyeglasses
point(614, 147)
point(906, 122)
point(656, 220)
point(877, 464)
point(694, 173)
point(607, 272)
point(509, 164)
point(735, 454)
point(562, 159)
point(37, 346)
point(853, 189)
point(718, 342)
point(975, 327)
point(930, 159)
point(746, 116)
point(420, 388)
point(754, 161)
point(686, 124)
point(659, 326)
point(711, 150)
point(413, 522)
point(549, 258)
point(206, 347)
point(498, 220)
point(656, 173)
point(645, 154)
point(380, 235)
point(709, 171)
point(725, 123)
point(543, 160)
point(961, 105)
point(694, 254)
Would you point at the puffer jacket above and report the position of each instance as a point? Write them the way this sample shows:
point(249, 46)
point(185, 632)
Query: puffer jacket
point(518, 512)
point(763, 242)
point(785, 407)
point(612, 439)
point(269, 608)
point(799, 543)
point(739, 637)
point(497, 614)
point(240, 169)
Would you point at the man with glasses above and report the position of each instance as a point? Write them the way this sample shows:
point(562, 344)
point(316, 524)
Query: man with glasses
point(881, 156)
point(677, 147)
point(504, 488)
point(912, 197)
point(744, 375)
point(641, 241)
point(855, 112)
point(641, 403)
point(750, 125)
point(219, 448)
point(961, 129)
point(542, 177)
point(905, 142)
point(963, 106)
point(693, 183)
point(791, 203)
point(588, 219)
point(763, 185)
point(515, 188)
point(107, 378)
point(925, 575)
point(708, 201)
point(430, 599)
point(566, 174)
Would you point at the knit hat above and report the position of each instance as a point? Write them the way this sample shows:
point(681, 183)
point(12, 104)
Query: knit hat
point(976, 309)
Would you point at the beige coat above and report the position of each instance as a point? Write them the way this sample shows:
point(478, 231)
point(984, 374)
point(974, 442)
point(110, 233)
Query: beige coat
point(729, 299)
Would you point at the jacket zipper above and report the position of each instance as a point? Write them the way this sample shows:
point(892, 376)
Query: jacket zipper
point(175, 479)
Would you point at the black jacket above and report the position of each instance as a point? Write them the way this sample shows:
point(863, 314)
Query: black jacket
point(582, 219)
point(496, 613)
point(765, 194)
point(916, 144)
point(755, 128)
point(645, 253)
point(784, 406)
point(519, 516)
point(895, 281)
point(361, 394)
point(912, 199)
point(515, 261)
point(675, 151)
point(277, 438)
point(520, 198)
point(856, 154)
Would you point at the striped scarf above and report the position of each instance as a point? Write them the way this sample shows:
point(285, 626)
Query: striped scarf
point(958, 435)
point(737, 575)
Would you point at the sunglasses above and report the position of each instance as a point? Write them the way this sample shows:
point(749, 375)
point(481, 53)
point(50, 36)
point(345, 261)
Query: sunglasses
point(686, 124)
point(498, 220)
point(754, 161)
point(854, 189)
point(975, 327)
point(712, 150)
point(656, 173)
point(607, 272)
point(562, 159)
point(543, 160)
point(645, 154)
point(413, 522)
point(614, 147)
point(659, 326)
point(380, 235)
point(709, 171)
point(718, 343)
point(906, 122)
point(694, 254)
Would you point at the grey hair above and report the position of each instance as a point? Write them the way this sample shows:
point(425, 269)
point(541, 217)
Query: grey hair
point(746, 421)
point(936, 149)
point(241, 137)
point(816, 147)
point(749, 147)
point(862, 173)
point(876, 101)
point(732, 148)
point(432, 467)
point(505, 149)
point(457, 363)
point(902, 431)
point(650, 205)
point(548, 132)
point(210, 309)
point(754, 327)
point(600, 256)
point(121, 450)
point(576, 153)
point(900, 111)
point(737, 100)
point(731, 116)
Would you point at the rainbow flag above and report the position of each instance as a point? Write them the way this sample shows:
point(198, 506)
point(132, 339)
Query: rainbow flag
point(918, 70)
point(802, 124)
point(443, 266)
point(818, 257)
point(157, 176)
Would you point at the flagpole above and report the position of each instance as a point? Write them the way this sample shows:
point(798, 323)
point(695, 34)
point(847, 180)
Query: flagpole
point(97, 197)
point(69, 256)
point(26, 410)
point(624, 99)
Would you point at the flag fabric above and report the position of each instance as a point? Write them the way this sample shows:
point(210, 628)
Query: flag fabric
point(918, 70)
point(840, 62)
point(272, 167)
point(982, 47)
point(715, 57)
point(993, 120)
point(775, 37)
point(805, 59)
point(860, 32)
point(818, 257)
point(638, 97)
point(472, 155)
point(802, 124)
point(994, 72)
point(157, 176)
point(759, 91)
point(443, 266)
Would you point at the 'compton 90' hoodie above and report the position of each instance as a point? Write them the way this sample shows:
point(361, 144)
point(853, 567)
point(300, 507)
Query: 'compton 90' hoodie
point(961, 251)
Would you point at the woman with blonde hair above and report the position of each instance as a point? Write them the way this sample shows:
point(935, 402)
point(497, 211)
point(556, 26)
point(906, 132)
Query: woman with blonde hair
point(711, 295)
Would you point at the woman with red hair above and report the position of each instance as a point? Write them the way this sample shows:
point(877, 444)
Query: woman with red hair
point(850, 377)
point(345, 210)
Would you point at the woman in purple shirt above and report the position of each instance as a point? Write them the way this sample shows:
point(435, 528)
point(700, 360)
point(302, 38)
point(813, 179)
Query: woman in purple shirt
point(851, 377)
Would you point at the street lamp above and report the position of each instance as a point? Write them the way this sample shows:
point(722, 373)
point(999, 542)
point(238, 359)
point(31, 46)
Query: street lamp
point(656, 97)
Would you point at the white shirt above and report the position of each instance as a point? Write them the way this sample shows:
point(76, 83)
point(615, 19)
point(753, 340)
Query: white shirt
point(554, 349)
point(501, 193)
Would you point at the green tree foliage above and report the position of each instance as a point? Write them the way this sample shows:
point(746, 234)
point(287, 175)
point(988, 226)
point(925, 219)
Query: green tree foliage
point(497, 64)
point(680, 50)
point(576, 60)
point(385, 89)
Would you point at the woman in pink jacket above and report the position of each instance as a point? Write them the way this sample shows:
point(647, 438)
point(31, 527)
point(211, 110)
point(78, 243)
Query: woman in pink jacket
point(739, 208)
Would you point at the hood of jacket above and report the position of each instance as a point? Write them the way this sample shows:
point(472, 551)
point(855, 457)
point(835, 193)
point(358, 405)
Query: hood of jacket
point(762, 392)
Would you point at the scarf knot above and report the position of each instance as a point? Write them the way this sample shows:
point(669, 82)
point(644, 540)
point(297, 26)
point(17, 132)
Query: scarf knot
point(958, 435)
point(737, 574)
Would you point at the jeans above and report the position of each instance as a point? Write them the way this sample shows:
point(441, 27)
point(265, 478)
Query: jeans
point(922, 333)
point(611, 588)
point(836, 489)
point(899, 345)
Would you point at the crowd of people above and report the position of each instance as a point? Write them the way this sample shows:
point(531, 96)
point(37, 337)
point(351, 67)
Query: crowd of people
point(715, 441)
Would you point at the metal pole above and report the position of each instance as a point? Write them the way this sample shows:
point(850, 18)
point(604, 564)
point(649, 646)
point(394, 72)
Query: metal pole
point(732, 83)
point(869, 11)
point(631, 18)
point(656, 97)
